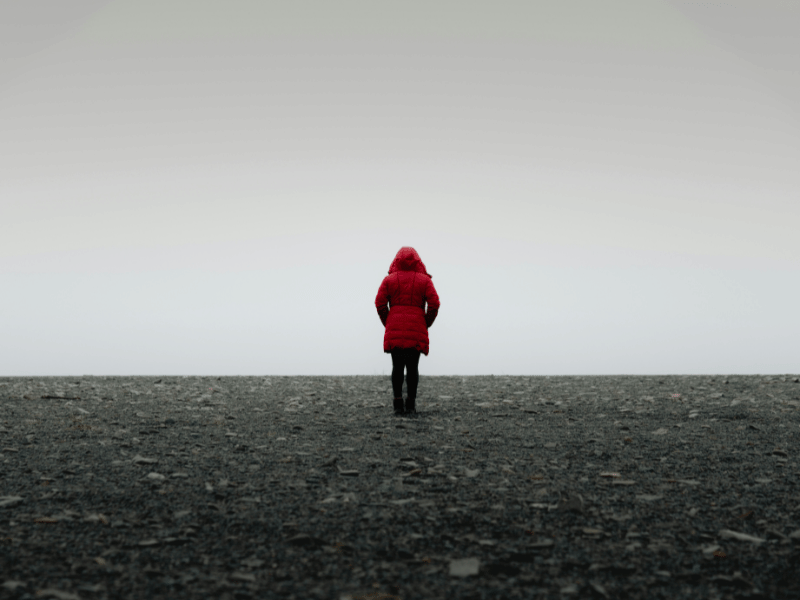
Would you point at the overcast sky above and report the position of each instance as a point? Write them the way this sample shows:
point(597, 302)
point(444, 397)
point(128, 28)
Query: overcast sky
point(197, 187)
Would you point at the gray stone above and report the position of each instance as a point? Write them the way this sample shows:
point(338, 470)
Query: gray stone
point(464, 567)
point(6, 501)
point(743, 537)
point(13, 584)
point(57, 594)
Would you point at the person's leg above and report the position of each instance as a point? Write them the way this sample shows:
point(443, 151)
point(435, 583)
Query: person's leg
point(412, 378)
point(398, 366)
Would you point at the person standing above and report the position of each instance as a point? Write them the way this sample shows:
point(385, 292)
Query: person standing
point(407, 288)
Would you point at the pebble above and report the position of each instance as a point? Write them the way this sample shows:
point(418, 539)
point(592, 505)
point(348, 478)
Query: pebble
point(464, 567)
point(743, 537)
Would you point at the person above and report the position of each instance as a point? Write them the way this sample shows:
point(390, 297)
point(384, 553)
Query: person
point(407, 288)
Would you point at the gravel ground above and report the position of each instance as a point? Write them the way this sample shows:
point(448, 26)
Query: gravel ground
point(311, 488)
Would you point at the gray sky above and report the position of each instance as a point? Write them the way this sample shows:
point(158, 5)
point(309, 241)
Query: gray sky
point(219, 188)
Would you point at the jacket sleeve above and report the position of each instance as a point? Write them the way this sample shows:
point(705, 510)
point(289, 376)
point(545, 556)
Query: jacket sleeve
point(381, 301)
point(432, 298)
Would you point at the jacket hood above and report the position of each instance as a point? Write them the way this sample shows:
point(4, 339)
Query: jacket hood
point(407, 259)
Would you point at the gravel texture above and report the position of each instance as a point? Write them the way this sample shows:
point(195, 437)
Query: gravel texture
point(311, 488)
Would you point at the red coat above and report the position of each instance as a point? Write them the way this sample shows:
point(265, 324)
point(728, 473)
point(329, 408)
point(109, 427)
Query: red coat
point(407, 288)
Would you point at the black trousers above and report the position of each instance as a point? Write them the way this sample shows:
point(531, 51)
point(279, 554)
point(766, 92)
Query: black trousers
point(408, 359)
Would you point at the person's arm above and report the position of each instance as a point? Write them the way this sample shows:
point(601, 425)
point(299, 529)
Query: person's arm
point(432, 298)
point(381, 301)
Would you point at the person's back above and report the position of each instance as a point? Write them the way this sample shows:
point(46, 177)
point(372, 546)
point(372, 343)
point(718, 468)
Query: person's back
point(401, 303)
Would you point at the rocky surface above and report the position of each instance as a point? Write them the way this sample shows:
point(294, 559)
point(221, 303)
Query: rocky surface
point(310, 487)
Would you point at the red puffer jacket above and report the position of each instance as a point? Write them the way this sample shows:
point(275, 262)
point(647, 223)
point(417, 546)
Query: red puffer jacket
point(407, 288)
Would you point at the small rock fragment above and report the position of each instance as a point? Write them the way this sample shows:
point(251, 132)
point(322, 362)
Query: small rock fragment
point(464, 567)
point(9, 500)
point(633, 546)
point(743, 537)
point(95, 518)
point(773, 534)
point(58, 594)
point(253, 563)
point(401, 502)
point(572, 502)
point(569, 590)
point(13, 584)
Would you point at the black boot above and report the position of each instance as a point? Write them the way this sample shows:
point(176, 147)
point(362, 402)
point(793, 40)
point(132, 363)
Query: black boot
point(411, 408)
point(398, 406)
